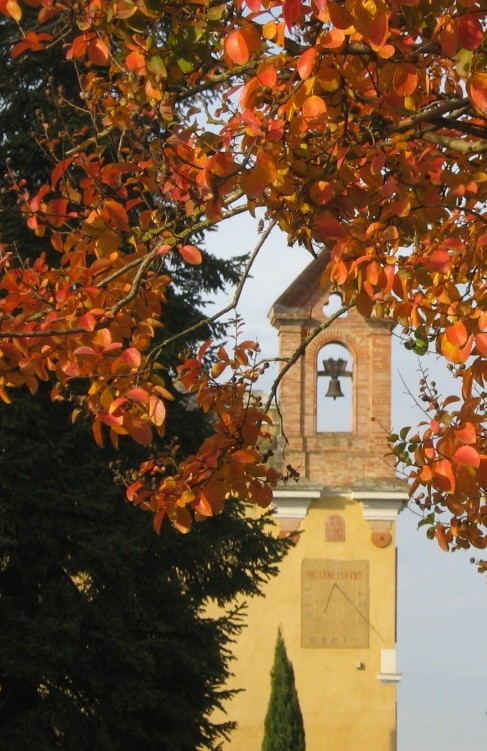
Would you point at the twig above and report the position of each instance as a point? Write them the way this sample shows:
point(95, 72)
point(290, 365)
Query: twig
point(301, 349)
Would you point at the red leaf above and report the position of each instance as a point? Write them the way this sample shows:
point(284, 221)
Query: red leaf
point(329, 228)
point(470, 32)
point(291, 10)
point(132, 357)
point(87, 321)
point(138, 394)
point(98, 52)
point(438, 260)
point(379, 31)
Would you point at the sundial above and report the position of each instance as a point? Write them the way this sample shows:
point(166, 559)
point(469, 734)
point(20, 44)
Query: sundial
point(335, 604)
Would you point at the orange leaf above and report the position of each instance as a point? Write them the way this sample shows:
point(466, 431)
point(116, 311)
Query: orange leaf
point(481, 344)
point(477, 91)
point(138, 394)
point(466, 433)
point(379, 31)
point(467, 456)
point(241, 44)
point(333, 39)
point(133, 489)
point(140, 431)
point(117, 214)
point(306, 63)
point(339, 273)
point(438, 260)
point(457, 334)
point(321, 192)
point(455, 343)
point(245, 456)
point(203, 506)
point(11, 8)
point(314, 109)
point(364, 304)
point(453, 352)
point(443, 476)
point(87, 321)
point(191, 254)
point(157, 410)
point(135, 61)
point(266, 73)
point(405, 79)
point(441, 537)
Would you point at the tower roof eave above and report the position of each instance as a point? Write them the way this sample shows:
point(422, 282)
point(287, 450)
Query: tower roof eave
point(296, 300)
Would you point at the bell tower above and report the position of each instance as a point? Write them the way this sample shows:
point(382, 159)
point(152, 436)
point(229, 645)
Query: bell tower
point(335, 596)
point(336, 420)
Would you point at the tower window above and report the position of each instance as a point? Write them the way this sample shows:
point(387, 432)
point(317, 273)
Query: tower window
point(334, 391)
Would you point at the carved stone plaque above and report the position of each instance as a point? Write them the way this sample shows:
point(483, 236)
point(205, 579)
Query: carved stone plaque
point(334, 604)
point(335, 529)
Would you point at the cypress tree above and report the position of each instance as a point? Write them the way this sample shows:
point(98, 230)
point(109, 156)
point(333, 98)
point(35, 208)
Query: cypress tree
point(283, 729)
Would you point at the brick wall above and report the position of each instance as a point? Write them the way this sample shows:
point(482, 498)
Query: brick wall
point(335, 458)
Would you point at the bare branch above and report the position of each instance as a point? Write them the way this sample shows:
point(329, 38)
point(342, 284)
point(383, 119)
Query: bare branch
point(223, 311)
point(455, 144)
point(430, 113)
point(301, 350)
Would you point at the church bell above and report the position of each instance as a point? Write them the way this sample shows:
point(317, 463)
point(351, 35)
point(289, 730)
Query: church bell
point(334, 388)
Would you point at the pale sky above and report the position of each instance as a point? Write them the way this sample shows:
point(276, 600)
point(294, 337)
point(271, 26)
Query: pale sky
point(442, 600)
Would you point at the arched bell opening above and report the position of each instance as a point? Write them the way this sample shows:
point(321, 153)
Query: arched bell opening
point(334, 389)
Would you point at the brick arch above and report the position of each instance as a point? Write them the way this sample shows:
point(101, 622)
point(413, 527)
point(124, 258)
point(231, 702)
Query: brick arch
point(329, 336)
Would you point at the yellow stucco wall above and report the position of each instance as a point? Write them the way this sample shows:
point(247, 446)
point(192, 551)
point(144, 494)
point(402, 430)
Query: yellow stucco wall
point(345, 707)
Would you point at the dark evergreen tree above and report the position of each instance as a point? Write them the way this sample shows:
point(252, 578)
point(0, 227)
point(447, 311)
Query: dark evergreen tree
point(104, 645)
point(283, 730)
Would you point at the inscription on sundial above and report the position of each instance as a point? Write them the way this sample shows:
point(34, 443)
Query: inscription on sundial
point(334, 604)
